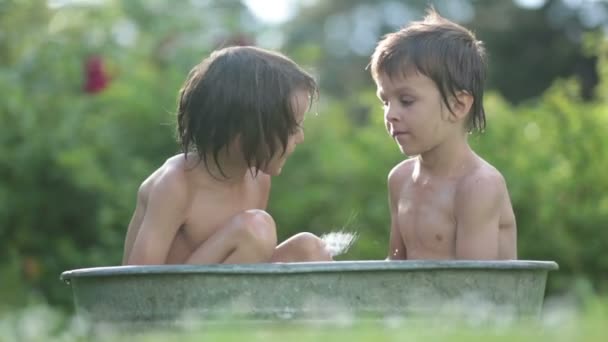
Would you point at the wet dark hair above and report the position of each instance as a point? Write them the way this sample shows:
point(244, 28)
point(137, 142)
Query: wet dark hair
point(446, 52)
point(243, 92)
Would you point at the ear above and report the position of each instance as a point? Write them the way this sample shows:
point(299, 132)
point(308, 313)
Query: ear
point(461, 104)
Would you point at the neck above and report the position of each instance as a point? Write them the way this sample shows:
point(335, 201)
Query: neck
point(446, 158)
point(232, 172)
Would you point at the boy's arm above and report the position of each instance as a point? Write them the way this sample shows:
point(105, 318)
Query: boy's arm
point(164, 215)
point(396, 249)
point(507, 234)
point(478, 204)
point(134, 226)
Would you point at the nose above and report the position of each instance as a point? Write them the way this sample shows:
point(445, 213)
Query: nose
point(390, 113)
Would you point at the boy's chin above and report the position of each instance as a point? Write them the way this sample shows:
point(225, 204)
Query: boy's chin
point(409, 150)
point(406, 151)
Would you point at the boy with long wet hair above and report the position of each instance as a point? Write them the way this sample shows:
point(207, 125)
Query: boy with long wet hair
point(239, 118)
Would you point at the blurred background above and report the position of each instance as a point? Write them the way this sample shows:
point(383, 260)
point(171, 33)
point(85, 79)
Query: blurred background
point(89, 91)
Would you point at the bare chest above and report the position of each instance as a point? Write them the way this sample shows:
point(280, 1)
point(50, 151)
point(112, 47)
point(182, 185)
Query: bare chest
point(426, 219)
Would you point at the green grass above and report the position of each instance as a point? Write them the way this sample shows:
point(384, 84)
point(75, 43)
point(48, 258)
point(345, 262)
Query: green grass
point(41, 323)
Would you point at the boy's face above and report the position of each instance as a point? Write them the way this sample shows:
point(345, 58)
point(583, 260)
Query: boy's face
point(300, 103)
point(413, 112)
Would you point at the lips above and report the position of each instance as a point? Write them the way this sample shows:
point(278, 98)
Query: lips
point(395, 134)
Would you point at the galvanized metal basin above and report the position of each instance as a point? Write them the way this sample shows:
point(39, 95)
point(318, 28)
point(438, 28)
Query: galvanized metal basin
point(170, 294)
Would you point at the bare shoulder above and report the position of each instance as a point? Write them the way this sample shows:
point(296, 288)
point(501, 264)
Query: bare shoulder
point(482, 187)
point(400, 172)
point(168, 180)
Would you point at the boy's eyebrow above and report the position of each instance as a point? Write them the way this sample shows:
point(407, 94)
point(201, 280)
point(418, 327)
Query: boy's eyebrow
point(405, 88)
point(400, 89)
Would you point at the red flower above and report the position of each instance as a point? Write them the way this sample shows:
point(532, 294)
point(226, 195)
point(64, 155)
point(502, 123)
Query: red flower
point(31, 268)
point(96, 78)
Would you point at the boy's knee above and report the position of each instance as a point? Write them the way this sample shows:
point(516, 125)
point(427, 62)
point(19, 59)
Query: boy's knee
point(257, 228)
point(311, 247)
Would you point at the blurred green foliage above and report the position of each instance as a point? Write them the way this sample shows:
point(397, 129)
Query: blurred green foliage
point(71, 161)
point(543, 39)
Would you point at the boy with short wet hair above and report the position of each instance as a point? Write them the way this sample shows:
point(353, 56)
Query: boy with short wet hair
point(239, 118)
point(446, 202)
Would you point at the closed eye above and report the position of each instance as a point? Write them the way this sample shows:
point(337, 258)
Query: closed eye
point(406, 102)
point(403, 102)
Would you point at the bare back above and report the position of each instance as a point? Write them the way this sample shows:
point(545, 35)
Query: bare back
point(180, 206)
point(465, 216)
